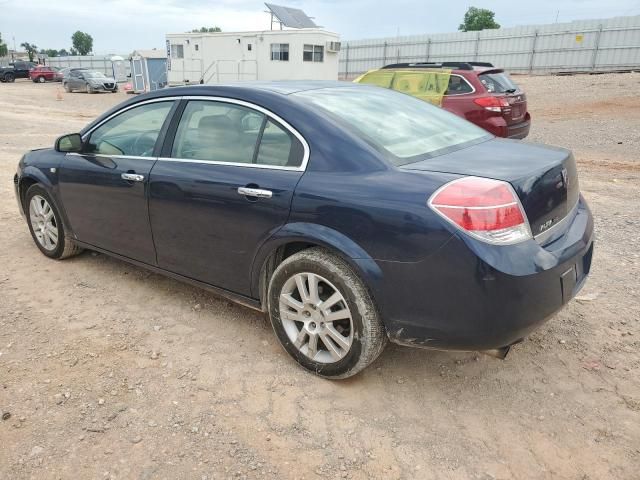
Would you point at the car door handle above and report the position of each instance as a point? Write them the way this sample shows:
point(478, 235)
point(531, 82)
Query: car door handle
point(255, 192)
point(132, 177)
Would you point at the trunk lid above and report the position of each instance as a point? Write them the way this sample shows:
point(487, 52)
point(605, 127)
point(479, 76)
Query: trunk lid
point(544, 178)
point(499, 84)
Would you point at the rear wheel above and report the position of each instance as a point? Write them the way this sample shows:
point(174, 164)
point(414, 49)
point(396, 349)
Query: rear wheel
point(89, 89)
point(323, 314)
point(67, 88)
point(46, 226)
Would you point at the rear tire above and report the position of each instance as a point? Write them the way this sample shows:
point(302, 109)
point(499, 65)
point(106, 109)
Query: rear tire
point(336, 331)
point(66, 87)
point(46, 225)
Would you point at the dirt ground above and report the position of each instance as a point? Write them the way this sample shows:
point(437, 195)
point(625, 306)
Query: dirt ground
point(109, 371)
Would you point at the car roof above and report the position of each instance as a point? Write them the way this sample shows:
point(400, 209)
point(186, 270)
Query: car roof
point(284, 87)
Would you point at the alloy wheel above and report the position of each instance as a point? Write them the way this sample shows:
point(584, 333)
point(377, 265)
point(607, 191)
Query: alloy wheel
point(316, 318)
point(43, 222)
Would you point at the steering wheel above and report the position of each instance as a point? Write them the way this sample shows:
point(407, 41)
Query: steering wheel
point(144, 144)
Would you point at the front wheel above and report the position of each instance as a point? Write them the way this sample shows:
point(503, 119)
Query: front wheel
point(323, 314)
point(46, 226)
point(41, 79)
point(9, 77)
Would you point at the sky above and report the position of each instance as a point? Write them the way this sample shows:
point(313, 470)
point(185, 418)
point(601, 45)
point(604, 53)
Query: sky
point(121, 26)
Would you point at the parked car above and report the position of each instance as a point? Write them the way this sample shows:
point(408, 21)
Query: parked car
point(89, 81)
point(16, 70)
point(350, 214)
point(42, 73)
point(65, 71)
point(476, 91)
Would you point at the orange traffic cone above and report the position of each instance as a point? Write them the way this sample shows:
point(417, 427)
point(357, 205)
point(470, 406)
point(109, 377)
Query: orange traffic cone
point(58, 95)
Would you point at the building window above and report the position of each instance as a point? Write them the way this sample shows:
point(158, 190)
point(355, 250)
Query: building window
point(249, 47)
point(313, 53)
point(197, 48)
point(280, 51)
point(177, 51)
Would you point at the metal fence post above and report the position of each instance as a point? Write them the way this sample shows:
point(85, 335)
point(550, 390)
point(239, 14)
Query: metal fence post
point(346, 65)
point(475, 56)
point(533, 51)
point(428, 49)
point(597, 47)
point(384, 54)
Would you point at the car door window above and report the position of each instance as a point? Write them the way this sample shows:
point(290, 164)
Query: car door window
point(458, 86)
point(133, 132)
point(229, 133)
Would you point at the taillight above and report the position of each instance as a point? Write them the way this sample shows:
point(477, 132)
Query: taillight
point(484, 208)
point(493, 104)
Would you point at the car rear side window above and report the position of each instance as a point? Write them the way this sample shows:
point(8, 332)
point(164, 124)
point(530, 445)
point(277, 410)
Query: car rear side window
point(221, 132)
point(404, 128)
point(497, 82)
point(458, 86)
point(132, 133)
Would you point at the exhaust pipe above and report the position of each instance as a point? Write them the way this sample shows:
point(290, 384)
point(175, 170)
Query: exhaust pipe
point(500, 353)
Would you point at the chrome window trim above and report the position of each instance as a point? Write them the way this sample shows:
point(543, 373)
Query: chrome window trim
point(305, 146)
point(252, 106)
point(127, 157)
point(473, 89)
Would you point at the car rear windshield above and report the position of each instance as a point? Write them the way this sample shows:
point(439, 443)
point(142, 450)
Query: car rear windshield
point(406, 129)
point(497, 82)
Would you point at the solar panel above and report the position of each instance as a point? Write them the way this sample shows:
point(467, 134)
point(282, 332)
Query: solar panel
point(291, 17)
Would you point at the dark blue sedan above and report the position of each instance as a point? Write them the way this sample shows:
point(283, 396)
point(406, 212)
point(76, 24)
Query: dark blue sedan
point(351, 214)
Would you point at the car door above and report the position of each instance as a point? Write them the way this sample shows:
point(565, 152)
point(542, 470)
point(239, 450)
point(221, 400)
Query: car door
point(104, 188)
point(223, 186)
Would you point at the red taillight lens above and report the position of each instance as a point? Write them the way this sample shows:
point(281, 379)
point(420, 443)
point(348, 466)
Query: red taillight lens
point(485, 208)
point(494, 104)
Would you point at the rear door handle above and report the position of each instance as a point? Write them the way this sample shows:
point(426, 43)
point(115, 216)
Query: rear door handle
point(132, 177)
point(255, 192)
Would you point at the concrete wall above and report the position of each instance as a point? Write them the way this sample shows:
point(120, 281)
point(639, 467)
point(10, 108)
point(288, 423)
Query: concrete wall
point(582, 46)
point(225, 57)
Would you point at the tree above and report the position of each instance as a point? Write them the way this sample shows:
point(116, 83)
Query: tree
point(49, 52)
point(31, 50)
point(63, 53)
point(206, 30)
point(4, 51)
point(478, 19)
point(82, 42)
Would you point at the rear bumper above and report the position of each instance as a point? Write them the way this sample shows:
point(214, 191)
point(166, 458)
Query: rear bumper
point(475, 296)
point(498, 126)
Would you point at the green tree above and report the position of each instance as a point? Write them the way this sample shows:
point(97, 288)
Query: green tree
point(4, 51)
point(49, 52)
point(82, 42)
point(478, 19)
point(206, 30)
point(63, 53)
point(31, 50)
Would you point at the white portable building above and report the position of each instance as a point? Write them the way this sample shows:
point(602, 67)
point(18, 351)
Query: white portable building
point(296, 54)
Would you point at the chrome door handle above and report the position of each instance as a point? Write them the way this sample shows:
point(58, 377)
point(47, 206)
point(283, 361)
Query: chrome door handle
point(255, 192)
point(132, 177)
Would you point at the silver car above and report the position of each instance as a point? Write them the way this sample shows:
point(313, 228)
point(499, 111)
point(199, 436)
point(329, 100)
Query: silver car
point(89, 81)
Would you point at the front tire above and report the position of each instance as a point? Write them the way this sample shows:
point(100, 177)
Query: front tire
point(46, 226)
point(41, 79)
point(10, 78)
point(323, 315)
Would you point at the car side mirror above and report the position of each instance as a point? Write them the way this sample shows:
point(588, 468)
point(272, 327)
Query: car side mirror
point(69, 143)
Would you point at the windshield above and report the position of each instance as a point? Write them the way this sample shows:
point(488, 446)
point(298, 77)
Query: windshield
point(94, 74)
point(406, 129)
point(497, 82)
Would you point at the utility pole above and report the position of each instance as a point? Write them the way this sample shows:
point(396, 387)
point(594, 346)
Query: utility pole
point(557, 15)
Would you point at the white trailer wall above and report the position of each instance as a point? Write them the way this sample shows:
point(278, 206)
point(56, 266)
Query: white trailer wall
point(230, 57)
point(588, 45)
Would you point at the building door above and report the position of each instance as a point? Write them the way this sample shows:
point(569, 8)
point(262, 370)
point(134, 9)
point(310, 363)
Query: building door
point(137, 75)
point(248, 68)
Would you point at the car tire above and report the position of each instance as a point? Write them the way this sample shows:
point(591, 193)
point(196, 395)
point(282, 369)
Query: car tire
point(89, 89)
point(66, 87)
point(9, 77)
point(296, 322)
point(43, 217)
point(42, 79)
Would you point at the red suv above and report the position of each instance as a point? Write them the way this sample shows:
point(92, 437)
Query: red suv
point(42, 74)
point(479, 92)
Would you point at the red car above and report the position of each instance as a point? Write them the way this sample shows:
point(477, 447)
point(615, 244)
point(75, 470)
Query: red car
point(42, 74)
point(479, 92)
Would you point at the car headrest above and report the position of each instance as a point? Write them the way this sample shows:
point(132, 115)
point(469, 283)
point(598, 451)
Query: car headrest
point(217, 122)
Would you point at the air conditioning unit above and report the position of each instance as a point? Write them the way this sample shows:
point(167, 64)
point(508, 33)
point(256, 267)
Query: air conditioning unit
point(333, 46)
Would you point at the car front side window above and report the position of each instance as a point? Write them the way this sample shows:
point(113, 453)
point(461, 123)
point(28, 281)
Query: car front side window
point(131, 133)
